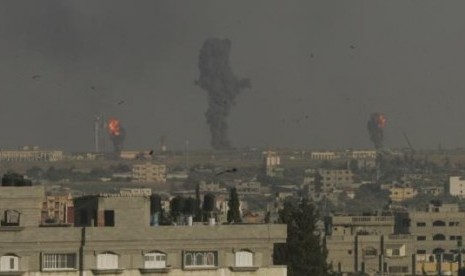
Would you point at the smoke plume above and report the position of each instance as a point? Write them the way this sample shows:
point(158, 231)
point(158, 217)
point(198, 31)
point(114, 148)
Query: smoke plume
point(117, 134)
point(375, 127)
point(222, 86)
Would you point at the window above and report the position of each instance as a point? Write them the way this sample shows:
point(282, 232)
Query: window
point(11, 218)
point(398, 269)
point(155, 260)
point(370, 252)
point(9, 263)
point(421, 224)
point(109, 218)
point(453, 223)
point(439, 237)
point(107, 260)
point(439, 223)
point(421, 238)
point(438, 251)
point(244, 258)
point(59, 261)
point(397, 251)
point(193, 259)
point(421, 251)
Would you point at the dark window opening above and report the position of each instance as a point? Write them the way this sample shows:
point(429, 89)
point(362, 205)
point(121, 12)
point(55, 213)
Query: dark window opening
point(109, 217)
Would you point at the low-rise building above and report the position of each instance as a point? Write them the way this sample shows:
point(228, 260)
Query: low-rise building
point(457, 186)
point(30, 155)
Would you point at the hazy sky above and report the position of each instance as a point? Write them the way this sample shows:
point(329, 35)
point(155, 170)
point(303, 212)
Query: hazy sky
point(318, 69)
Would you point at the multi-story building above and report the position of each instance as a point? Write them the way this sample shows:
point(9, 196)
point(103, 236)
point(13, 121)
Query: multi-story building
point(149, 172)
point(58, 209)
point(248, 188)
point(362, 154)
point(272, 162)
point(29, 155)
point(367, 244)
point(113, 236)
point(335, 179)
point(399, 194)
point(457, 186)
point(324, 155)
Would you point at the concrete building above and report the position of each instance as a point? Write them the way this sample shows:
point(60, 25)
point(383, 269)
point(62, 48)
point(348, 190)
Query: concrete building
point(149, 172)
point(362, 154)
point(367, 244)
point(457, 186)
point(31, 155)
point(324, 155)
point(114, 237)
point(248, 188)
point(332, 180)
point(399, 194)
point(58, 209)
point(272, 162)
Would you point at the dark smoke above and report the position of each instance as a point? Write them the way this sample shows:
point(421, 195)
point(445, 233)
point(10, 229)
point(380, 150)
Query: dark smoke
point(222, 86)
point(118, 140)
point(375, 130)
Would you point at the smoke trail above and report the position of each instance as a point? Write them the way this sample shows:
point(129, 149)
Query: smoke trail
point(117, 134)
point(375, 127)
point(222, 86)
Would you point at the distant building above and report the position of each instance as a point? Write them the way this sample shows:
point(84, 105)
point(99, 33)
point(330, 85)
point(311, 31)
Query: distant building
point(30, 155)
point(135, 191)
point(212, 187)
point(272, 162)
point(149, 172)
point(457, 186)
point(362, 154)
point(332, 180)
point(248, 188)
point(399, 194)
point(58, 209)
point(324, 155)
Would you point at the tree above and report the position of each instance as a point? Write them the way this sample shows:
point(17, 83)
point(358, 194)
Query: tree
point(304, 253)
point(234, 214)
point(198, 210)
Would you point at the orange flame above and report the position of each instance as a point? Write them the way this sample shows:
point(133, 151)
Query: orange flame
point(113, 127)
point(381, 121)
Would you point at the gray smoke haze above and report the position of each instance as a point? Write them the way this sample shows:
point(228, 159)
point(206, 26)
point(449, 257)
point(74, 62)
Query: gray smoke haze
point(318, 68)
point(222, 86)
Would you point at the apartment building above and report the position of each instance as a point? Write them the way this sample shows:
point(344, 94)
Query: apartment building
point(457, 186)
point(29, 155)
point(367, 244)
point(149, 172)
point(113, 236)
point(58, 209)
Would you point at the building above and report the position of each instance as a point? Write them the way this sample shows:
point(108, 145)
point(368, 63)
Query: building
point(211, 187)
point(399, 194)
point(367, 245)
point(58, 209)
point(31, 155)
point(438, 232)
point(149, 172)
point(332, 180)
point(272, 162)
point(324, 155)
point(457, 186)
point(248, 188)
point(113, 236)
point(362, 154)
